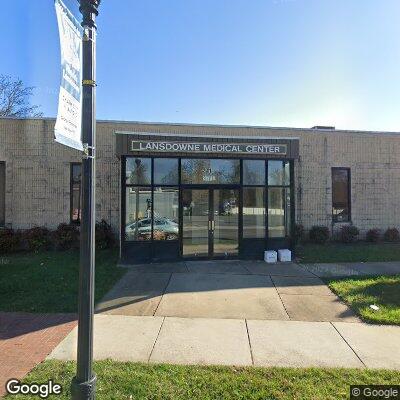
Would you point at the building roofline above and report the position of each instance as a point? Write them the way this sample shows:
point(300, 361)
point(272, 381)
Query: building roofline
point(197, 136)
point(261, 127)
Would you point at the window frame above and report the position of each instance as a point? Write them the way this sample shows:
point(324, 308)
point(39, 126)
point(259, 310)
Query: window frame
point(171, 187)
point(265, 200)
point(150, 183)
point(151, 218)
point(242, 181)
point(153, 177)
point(284, 187)
point(3, 195)
point(71, 193)
point(240, 185)
point(348, 170)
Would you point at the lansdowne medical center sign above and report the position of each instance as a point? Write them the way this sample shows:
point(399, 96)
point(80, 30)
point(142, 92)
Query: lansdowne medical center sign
point(207, 147)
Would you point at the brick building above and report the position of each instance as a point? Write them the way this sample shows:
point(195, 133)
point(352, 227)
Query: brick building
point(181, 190)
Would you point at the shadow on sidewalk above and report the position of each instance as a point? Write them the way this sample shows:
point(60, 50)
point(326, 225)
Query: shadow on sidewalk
point(14, 324)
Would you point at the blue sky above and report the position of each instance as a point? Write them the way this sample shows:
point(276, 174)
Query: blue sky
point(254, 62)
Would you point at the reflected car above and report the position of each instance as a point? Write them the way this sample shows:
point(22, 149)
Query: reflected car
point(164, 229)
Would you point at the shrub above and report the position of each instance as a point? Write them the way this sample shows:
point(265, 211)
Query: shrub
point(319, 234)
point(298, 233)
point(37, 238)
point(10, 241)
point(159, 235)
point(104, 235)
point(391, 235)
point(373, 235)
point(66, 236)
point(349, 233)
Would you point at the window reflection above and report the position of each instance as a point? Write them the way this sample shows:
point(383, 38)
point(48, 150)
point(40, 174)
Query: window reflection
point(2, 192)
point(195, 228)
point(287, 211)
point(138, 171)
point(210, 171)
point(166, 171)
point(278, 173)
point(253, 172)
point(166, 214)
point(138, 213)
point(160, 201)
point(253, 213)
point(226, 222)
point(278, 212)
point(341, 194)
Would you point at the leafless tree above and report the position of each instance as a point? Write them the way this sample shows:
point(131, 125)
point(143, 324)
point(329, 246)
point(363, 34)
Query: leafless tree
point(14, 99)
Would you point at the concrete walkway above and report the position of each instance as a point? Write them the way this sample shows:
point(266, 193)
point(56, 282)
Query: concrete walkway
point(358, 269)
point(240, 342)
point(225, 289)
point(238, 313)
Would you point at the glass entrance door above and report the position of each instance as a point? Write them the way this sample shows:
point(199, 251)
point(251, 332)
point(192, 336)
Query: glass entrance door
point(210, 220)
point(225, 226)
point(195, 227)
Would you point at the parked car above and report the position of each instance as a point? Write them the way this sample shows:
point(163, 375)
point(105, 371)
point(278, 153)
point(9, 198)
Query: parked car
point(164, 229)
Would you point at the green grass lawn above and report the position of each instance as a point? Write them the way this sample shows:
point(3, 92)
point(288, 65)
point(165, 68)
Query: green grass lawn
point(117, 380)
point(48, 281)
point(353, 252)
point(360, 293)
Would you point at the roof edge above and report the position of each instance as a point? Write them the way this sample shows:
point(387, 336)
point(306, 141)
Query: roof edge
point(311, 130)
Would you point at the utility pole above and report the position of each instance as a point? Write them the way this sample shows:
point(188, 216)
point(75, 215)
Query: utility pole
point(83, 385)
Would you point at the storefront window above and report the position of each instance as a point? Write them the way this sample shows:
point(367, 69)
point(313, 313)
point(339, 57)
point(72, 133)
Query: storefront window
point(210, 171)
point(341, 194)
point(279, 199)
point(2, 192)
point(253, 172)
point(166, 171)
point(138, 213)
point(138, 171)
point(287, 211)
point(276, 212)
point(253, 213)
point(278, 173)
point(210, 215)
point(166, 213)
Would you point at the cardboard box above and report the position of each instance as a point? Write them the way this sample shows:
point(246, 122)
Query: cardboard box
point(270, 256)
point(284, 255)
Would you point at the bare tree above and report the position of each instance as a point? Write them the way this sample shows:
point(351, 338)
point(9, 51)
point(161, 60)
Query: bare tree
point(14, 99)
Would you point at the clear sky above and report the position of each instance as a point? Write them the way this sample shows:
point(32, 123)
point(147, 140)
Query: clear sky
point(255, 62)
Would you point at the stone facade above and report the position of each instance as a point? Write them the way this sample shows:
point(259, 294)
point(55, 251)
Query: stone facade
point(38, 171)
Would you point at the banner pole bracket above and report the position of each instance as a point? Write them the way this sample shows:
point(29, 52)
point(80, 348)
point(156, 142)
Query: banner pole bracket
point(86, 149)
point(89, 82)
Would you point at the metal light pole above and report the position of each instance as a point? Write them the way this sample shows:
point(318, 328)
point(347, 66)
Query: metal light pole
point(83, 385)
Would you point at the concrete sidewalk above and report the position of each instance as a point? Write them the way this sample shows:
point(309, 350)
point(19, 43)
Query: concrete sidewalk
point(356, 269)
point(240, 342)
point(239, 289)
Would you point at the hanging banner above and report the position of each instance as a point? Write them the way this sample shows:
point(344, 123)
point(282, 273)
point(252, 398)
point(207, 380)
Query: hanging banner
point(67, 130)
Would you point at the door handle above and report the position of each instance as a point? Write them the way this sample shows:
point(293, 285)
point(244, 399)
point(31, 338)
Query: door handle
point(213, 225)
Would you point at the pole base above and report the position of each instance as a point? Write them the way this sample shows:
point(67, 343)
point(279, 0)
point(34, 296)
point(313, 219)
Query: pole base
point(83, 390)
